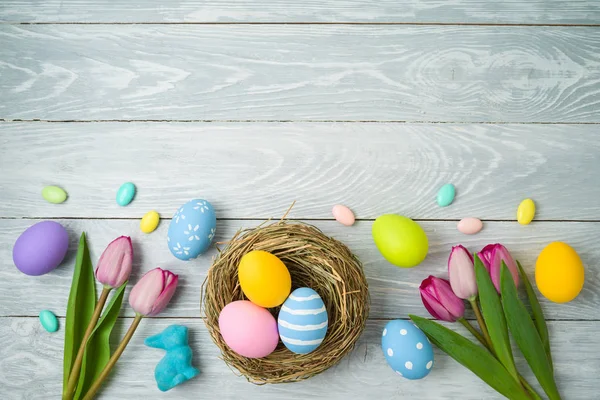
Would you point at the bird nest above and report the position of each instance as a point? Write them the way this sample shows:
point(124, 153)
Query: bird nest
point(315, 261)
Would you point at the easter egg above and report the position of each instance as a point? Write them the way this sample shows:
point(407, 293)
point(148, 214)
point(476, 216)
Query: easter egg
point(559, 272)
point(264, 278)
point(149, 221)
point(192, 229)
point(343, 215)
point(302, 321)
point(249, 330)
point(406, 349)
point(445, 195)
point(41, 248)
point(526, 212)
point(400, 240)
point(54, 194)
point(48, 320)
point(125, 194)
point(469, 225)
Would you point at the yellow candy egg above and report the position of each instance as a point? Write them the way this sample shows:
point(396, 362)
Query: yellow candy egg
point(526, 211)
point(559, 272)
point(264, 278)
point(149, 221)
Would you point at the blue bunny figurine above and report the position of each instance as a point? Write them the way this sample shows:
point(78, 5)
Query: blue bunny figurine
point(176, 365)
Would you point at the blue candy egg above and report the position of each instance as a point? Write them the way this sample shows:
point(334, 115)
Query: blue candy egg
point(302, 321)
point(192, 229)
point(406, 349)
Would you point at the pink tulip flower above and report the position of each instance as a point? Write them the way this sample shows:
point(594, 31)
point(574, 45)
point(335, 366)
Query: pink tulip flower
point(461, 273)
point(153, 292)
point(492, 256)
point(439, 299)
point(114, 265)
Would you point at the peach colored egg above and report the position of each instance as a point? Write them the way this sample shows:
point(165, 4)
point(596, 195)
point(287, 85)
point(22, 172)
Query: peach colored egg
point(249, 330)
point(343, 215)
point(469, 225)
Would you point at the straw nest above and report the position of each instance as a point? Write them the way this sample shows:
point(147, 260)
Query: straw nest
point(315, 261)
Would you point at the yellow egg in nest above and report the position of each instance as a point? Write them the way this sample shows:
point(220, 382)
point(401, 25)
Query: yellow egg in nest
point(264, 278)
point(559, 272)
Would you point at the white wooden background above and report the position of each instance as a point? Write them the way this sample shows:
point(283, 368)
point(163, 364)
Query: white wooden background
point(252, 105)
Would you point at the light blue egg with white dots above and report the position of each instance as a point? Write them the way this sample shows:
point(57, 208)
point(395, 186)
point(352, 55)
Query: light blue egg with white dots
point(302, 321)
point(407, 349)
point(192, 229)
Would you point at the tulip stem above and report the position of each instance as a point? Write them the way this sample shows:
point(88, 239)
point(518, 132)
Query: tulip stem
point(473, 331)
point(481, 322)
point(76, 369)
point(113, 360)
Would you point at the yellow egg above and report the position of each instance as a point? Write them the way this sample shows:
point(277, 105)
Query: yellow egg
point(559, 272)
point(264, 278)
point(149, 221)
point(526, 212)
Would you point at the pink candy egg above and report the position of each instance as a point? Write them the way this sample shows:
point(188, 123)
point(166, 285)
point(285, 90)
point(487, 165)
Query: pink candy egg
point(249, 330)
point(469, 225)
point(343, 215)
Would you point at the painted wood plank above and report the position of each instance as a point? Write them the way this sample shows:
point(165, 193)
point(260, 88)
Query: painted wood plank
point(394, 291)
point(256, 170)
point(300, 72)
point(30, 356)
point(403, 11)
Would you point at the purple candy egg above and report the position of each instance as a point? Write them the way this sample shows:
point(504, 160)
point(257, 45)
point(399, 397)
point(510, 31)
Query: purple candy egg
point(41, 248)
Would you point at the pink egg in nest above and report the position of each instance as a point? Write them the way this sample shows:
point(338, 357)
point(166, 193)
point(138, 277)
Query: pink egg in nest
point(249, 330)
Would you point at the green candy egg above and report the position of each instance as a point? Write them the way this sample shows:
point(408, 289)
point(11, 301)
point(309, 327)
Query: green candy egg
point(49, 320)
point(54, 194)
point(400, 240)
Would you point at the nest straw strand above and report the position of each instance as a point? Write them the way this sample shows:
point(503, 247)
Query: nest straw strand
point(315, 261)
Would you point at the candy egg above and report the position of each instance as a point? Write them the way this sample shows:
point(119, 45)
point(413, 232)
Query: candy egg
point(54, 194)
point(192, 229)
point(406, 349)
point(526, 212)
point(48, 321)
point(343, 215)
point(41, 248)
point(125, 194)
point(249, 330)
point(302, 321)
point(149, 221)
point(559, 272)
point(469, 225)
point(264, 278)
point(445, 195)
point(400, 240)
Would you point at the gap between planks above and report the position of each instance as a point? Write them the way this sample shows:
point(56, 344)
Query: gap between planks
point(290, 121)
point(302, 23)
point(300, 219)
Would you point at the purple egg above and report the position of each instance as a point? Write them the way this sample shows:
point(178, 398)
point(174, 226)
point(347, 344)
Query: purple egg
point(41, 248)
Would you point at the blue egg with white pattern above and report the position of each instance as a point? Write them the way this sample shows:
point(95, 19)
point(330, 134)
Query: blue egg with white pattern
point(302, 321)
point(407, 349)
point(192, 229)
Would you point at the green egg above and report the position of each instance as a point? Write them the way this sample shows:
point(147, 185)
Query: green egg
point(49, 320)
point(54, 194)
point(400, 240)
point(445, 195)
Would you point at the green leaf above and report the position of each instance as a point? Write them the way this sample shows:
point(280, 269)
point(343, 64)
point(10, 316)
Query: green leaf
point(479, 360)
point(97, 350)
point(538, 314)
point(493, 314)
point(80, 307)
point(526, 335)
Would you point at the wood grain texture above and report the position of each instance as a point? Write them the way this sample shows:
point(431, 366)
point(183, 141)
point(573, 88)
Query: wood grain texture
point(394, 291)
point(404, 11)
point(29, 360)
point(300, 72)
point(256, 170)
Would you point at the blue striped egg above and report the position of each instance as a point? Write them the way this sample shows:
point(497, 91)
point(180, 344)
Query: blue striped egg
point(302, 321)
